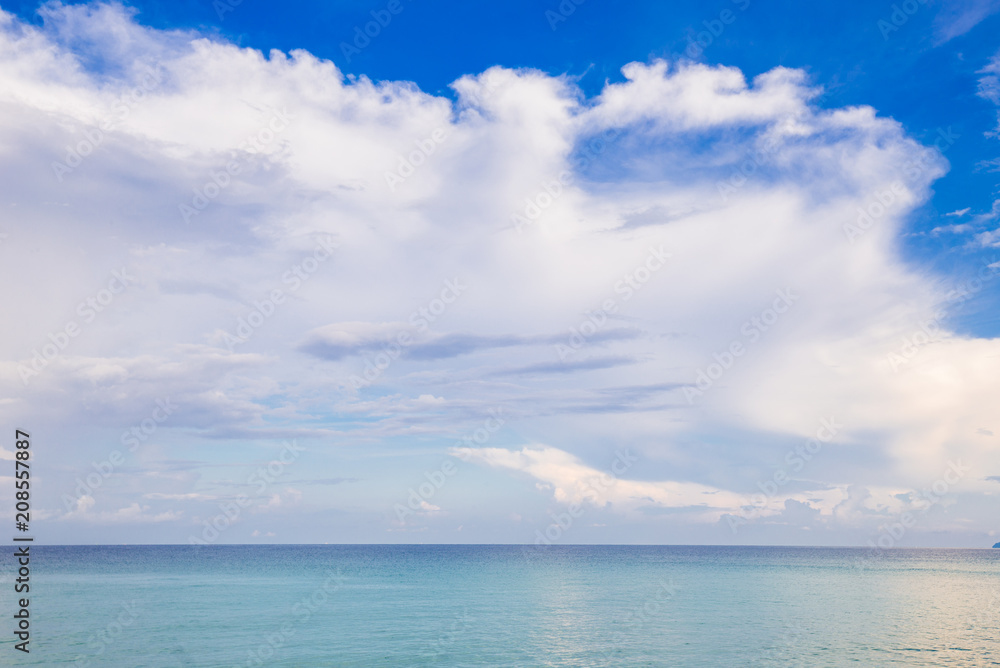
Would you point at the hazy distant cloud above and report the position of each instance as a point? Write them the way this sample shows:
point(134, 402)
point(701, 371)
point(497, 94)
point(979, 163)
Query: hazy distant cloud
point(191, 496)
point(452, 345)
point(334, 342)
point(191, 287)
point(132, 514)
point(568, 367)
point(679, 510)
point(657, 215)
point(337, 341)
point(323, 481)
point(351, 338)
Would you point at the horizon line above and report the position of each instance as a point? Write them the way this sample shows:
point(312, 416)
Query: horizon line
point(846, 547)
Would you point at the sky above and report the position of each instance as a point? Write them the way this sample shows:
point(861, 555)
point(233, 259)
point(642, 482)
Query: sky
point(525, 272)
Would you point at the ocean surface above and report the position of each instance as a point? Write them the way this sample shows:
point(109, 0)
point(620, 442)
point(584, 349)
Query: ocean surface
point(406, 605)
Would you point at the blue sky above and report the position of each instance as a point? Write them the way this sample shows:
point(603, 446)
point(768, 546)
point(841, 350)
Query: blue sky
point(549, 281)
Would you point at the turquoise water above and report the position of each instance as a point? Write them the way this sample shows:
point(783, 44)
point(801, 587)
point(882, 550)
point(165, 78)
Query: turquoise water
point(319, 605)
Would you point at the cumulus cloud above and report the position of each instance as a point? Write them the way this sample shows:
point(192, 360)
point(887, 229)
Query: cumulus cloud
point(214, 173)
point(700, 97)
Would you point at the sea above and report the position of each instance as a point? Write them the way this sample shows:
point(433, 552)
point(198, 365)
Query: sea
point(504, 605)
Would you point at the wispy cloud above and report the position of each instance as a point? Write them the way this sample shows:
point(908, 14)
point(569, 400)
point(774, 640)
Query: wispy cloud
point(957, 17)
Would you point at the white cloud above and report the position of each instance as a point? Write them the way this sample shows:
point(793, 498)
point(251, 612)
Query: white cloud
point(989, 89)
point(799, 174)
point(131, 514)
point(573, 482)
point(283, 499)
point(693, 96)
point(191, 496)
point(958, 17)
